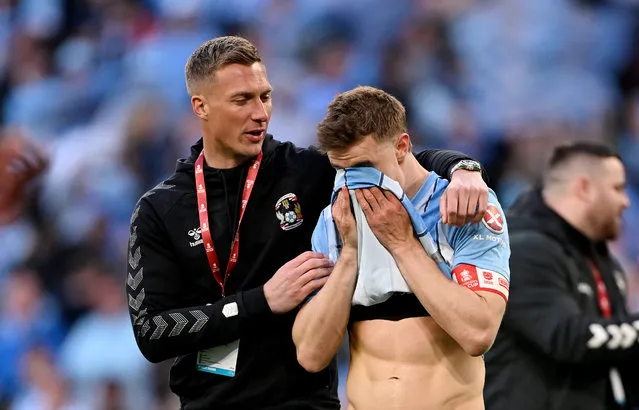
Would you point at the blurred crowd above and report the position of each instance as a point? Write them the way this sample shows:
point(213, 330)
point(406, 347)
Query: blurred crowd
point(99, 86)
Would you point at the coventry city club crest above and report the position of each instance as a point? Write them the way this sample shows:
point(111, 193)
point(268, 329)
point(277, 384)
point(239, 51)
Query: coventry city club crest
point(289, 212)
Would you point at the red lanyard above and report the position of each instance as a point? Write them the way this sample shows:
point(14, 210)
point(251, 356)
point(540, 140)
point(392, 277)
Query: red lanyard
point(602, 293)
point(200, 187)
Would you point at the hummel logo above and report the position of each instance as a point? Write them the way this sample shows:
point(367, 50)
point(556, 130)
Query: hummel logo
point(197, 235)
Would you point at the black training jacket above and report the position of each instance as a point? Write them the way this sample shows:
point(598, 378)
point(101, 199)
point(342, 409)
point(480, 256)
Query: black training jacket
point(554, 350)
point(177, 306)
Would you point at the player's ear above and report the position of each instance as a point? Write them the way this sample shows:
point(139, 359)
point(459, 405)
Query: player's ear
point(403, 147)
point(200, 106)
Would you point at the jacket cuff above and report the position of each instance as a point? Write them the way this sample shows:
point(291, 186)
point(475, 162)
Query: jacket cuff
point(254, 302)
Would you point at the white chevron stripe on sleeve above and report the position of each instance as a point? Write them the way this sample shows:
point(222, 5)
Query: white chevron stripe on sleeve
point(133, 238)
point(599, 336)
point(136, 213)
point(200, 321)
point(180, 323)
point(615, 337)
point(134, 282)
point(145, 328)
point(139, 318)
point(161, 326)
point(137, 302)
point(628, 335)
point(134, 258)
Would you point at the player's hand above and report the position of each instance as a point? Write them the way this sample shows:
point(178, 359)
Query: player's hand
point(294, 281)
point(20, 162)
point(344, 219)
point(465, 199)
point(386, 217)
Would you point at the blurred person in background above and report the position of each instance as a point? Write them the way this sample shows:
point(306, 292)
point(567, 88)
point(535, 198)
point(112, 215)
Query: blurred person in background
point(20, 162)
point(28, 316)
point(46, 388)
point(225, 315)
point(567, 340)
point(113, 397)
point(88, 358)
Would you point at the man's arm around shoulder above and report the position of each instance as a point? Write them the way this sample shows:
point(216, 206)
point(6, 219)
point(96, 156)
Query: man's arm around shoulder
point(465, 199)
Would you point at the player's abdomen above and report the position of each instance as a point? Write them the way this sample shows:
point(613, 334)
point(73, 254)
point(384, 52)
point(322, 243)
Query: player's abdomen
point(411, 364)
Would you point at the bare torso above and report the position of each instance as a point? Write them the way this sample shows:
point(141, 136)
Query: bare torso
point(411, 364)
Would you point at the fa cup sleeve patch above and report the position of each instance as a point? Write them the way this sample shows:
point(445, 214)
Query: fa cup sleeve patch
point(475, 279)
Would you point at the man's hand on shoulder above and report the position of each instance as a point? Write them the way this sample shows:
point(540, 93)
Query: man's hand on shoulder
point(297, 279)
point(465, 199)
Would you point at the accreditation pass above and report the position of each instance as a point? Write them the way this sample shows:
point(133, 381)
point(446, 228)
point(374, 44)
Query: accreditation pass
point(220, 360)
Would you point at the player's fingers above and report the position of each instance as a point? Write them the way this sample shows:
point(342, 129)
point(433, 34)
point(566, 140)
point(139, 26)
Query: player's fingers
point(363, 203)
point(389, 195)
point(482, 205)
point(393, 200)
point(314, 263)
point(379, 195)
point(336, 205)
point(345, 203)
point(315, 274)
point(371, 199)
point(443, 207)
point(451, 208)
point(342, 212)
point(465, 213)
point(471, 208)
point(302, 258)
point(313, 285)
point(339, 201)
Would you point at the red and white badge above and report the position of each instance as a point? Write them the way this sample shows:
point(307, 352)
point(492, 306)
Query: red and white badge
point(475, 279)
point(493, 219)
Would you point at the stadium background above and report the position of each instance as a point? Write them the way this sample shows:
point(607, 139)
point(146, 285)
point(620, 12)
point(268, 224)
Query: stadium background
point(99, 84)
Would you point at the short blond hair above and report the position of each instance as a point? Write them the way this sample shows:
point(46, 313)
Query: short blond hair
point(215, 54)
